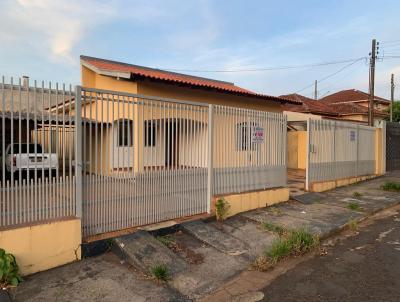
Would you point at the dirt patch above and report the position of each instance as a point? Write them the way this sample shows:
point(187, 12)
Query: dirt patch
point(185, 246)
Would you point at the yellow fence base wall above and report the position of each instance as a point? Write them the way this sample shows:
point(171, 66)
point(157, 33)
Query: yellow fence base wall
point(44, 246)
point(329, 185)
point(253, 200)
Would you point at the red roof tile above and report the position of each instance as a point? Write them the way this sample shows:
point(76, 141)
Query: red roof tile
point(350, 95)
point(325, 108)
point(176, 78)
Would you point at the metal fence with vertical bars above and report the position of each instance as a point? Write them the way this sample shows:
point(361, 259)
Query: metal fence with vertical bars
point(37, 180)
point(144, 160)
point(338, 150)
point(121, 160)
point(249, 150)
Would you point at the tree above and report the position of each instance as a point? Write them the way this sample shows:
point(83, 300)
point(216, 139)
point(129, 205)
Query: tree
point(396, 112)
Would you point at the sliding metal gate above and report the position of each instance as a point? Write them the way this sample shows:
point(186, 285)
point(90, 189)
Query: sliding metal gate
point(144, 160)
point(392, 146)
point(339, 150)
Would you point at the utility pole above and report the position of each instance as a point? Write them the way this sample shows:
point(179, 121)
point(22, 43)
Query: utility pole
point(372, 83)
point(391, 96)
point(316, 90)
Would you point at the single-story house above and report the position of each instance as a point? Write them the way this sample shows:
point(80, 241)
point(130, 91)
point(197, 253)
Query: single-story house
point(141, 133)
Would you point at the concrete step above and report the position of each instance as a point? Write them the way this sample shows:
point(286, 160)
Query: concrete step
point(144, 251)
point(216, 238)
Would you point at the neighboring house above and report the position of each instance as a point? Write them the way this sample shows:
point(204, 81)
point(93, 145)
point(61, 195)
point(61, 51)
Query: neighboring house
point(354, 96)
point(137, 135)
point(348, 105)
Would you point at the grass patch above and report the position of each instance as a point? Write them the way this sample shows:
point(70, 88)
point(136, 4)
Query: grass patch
point(353, 206)
point(167, 240)
point(353, 225)
point(160, 272)
point(391, 186)
point(293, 243)
point(357, 194)
point(274, 228)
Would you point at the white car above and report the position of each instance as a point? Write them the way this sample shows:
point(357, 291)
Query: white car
point(28, 158)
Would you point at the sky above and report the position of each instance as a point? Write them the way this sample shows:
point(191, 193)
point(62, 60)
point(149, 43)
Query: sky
point(43, 39)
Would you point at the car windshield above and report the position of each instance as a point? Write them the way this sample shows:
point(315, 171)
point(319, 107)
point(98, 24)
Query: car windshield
point(25, 147)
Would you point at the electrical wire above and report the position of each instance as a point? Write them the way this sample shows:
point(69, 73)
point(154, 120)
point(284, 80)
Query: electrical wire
point(266, 68)
point(332, 74)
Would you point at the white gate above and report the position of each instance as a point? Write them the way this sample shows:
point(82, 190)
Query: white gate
point(144, 160)
point(338, 150)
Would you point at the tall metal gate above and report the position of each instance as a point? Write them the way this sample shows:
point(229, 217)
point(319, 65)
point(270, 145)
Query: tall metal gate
point(37, 168)
point(392, 146)
point(144, 160)
point(338, 150)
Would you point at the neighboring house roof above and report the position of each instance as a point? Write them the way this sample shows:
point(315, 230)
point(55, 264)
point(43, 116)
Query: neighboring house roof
point(352, 108)
point(309, 105)
point(296, 97)
point(328, 109)
point(351, 95)
point(129, 71)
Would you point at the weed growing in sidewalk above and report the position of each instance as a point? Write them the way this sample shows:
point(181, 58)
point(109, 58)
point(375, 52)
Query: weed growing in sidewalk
point(357, 194)
point(391, 186)
point(167, 240)
point(291, 243)
point(222, 209)
point(353, 225)
point(160, 272)
point(353, 206)
point(274, 228)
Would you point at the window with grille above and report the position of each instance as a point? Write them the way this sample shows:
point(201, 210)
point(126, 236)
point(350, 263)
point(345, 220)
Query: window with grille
point(125, 133)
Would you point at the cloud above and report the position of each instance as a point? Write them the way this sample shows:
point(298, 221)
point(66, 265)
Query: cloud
point(53, 26)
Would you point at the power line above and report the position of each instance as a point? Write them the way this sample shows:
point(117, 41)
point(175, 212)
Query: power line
point(268, 68)
point(332, 74)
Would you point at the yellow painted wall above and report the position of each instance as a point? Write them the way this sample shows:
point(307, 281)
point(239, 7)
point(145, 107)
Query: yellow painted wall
point(378, 152)
point(292, 149)
point(253, 200)
point(41, 247)
point(302, 149)
point(297, 149)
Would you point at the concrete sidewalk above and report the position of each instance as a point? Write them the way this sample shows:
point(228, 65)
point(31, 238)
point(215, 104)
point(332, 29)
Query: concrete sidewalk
point(217, 255)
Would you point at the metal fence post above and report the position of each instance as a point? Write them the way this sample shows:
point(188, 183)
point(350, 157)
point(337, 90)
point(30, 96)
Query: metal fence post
point(383, 157)
point(78, 150)
point(210, 157)
point(308, 155)
point(358, 152)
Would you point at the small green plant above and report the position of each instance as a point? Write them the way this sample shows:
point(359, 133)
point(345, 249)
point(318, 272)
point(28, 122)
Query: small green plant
point(353, 206)
point(357, 194)
point(280, 249)
point(302, 241)
point(294, 243)
point(391, 186)
point(160, 272)
point(167, 240)
point(109, 243)
point(222, 209)
point(9, 271)
point(274, 228)
point(353, 225)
